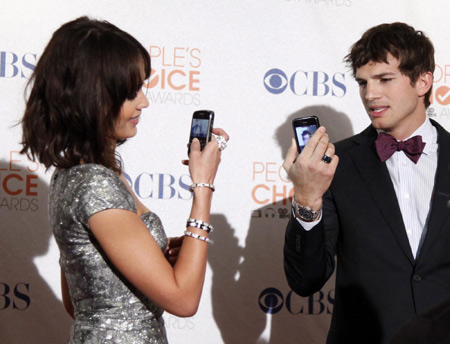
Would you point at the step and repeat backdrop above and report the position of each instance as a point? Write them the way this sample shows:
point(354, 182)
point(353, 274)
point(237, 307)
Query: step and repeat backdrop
point(257, 64)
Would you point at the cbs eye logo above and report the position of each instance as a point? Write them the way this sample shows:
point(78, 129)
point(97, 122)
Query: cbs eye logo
point(311, 83)
point(271, 300)
point(275, 81)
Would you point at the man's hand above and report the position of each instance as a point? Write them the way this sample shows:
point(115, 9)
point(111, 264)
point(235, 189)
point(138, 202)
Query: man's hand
point(308, 171)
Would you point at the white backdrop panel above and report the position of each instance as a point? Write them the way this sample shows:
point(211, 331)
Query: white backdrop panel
point(238, 58)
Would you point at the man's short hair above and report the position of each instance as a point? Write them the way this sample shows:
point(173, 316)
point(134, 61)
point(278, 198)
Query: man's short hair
point(413, 49)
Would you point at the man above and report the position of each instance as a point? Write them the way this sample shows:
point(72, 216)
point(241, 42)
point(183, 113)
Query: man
point(306, 135)
point(384, 219)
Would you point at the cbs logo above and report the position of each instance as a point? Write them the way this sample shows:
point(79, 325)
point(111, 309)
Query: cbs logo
point(15, 296)
point(306, 83)
point(13, 65)
point(272, 301)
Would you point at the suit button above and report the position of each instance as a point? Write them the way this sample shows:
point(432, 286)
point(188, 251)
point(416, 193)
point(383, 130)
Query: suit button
point(417, 278)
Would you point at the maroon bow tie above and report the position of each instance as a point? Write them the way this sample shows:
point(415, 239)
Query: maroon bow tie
point(386, 145)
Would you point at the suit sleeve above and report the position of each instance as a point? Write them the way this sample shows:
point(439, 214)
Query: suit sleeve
point(309, 255)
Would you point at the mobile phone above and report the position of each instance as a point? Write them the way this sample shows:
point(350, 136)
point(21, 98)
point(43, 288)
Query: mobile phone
point(201, 127)
point(304, 128)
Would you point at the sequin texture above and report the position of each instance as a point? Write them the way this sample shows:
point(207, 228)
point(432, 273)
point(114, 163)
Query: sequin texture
point(108, 309)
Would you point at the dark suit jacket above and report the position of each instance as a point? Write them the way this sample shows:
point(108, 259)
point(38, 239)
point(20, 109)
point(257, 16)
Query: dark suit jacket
point(379, 285)
point(431, 327)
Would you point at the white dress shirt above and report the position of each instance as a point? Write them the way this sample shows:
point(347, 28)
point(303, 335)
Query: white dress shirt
point(413, 184)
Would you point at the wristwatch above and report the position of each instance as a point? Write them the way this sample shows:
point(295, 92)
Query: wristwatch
point(305, 213)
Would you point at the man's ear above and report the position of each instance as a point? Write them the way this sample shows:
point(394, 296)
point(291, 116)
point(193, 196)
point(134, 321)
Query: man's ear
point(424, 83)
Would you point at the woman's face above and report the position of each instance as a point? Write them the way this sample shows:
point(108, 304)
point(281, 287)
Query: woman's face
point(125, 126)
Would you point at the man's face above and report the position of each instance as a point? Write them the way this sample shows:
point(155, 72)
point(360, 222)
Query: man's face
point(306, 137)
point(393, 104)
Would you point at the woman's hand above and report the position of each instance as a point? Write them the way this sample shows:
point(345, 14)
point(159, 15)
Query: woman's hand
point(203, 164)
point(173, 248)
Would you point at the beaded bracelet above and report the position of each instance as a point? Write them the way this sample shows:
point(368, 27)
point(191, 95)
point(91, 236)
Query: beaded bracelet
point(199, 237)
point(199, 224)
point(194, 185)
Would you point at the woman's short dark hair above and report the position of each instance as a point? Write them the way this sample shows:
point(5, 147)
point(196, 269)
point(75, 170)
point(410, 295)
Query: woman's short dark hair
point(412, 48)
point(86, 72)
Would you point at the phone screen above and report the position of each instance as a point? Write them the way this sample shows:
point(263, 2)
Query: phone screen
point(304, 128)
point(201, 127)
point(304, 134)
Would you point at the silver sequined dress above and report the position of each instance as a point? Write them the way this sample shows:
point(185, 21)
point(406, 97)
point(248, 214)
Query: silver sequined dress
point(108, 309)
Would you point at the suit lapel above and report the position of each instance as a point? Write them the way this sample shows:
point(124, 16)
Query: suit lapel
point(439, 211)
point(376, 176)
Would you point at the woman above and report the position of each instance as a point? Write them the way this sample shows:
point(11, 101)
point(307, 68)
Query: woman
point(119, 270)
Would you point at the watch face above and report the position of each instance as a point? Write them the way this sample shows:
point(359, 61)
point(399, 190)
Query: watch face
point(305, 214)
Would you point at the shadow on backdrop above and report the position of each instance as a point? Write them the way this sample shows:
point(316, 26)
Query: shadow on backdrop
point(251, 300)
point(29, 310)
point(338, 125)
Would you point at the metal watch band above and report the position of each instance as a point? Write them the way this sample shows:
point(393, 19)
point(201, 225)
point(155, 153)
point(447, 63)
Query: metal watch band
point(305, 213)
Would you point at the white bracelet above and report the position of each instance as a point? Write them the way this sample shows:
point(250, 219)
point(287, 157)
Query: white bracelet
point(199, 237)
point(199, 224)
point(194, 185)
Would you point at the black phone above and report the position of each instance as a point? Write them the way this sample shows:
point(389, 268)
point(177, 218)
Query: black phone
point(201, 127)
point(304, 128)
